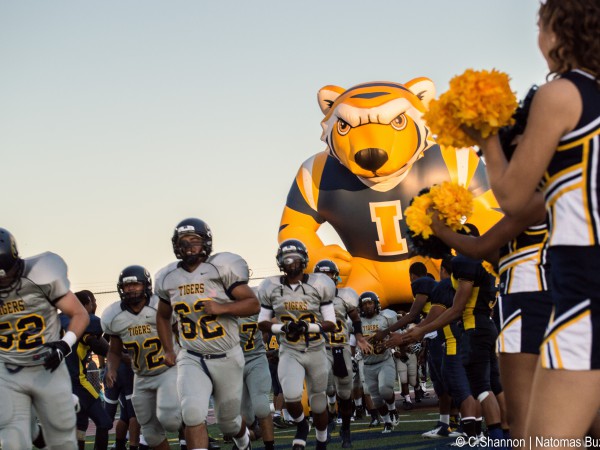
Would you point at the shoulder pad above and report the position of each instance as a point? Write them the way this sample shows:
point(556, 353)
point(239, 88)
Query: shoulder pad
point(226, 262)
point(389, 314)
point(46, 268)
point(108, 316)
point(323, 284)
point(162, 273)
point(153, 303)
point(349, 296)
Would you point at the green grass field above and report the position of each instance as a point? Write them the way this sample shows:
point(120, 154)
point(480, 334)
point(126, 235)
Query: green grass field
point(406, 435)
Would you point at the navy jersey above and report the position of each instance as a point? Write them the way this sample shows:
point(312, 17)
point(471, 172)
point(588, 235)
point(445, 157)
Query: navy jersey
point(77, 359)
point(443, 295)
point(571, 184)
point(374, 227)
point(423, 286)
point(483, 297)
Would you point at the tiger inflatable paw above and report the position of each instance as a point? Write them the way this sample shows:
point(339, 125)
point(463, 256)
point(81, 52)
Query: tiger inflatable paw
point(380, 154)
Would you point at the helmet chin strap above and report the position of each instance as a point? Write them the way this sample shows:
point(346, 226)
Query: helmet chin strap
point(15, 283)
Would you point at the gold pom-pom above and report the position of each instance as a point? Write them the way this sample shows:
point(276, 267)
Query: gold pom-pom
point(452, 202)
point(417, 217)
point(478, 99)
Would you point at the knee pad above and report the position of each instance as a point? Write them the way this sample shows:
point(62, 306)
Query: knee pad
point(318, 402)
point(154, 434)
point(386, 392)
point(192, 415)
point(170, 420)
point(230, 427)
point(262, 407)
point(481, 397)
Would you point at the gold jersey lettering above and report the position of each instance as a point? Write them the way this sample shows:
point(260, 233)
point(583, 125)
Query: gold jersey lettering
point(12, 307)
point(295, 306)
point(189, 289)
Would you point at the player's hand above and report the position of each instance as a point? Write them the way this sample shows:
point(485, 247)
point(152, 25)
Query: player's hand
point(365, 347)
point(214, 308)
point(379, 336)
point(110, 378)
point(58, 350)
point(395, 340)
point(170, 358)
point(294, 329)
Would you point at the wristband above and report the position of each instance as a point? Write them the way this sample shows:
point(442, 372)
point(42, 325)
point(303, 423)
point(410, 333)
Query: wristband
point(70, 338)
point(276, 328)
point(314, 328)
point(357, 327)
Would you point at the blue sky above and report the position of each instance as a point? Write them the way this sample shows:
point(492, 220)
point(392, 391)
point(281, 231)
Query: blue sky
point(118, 119)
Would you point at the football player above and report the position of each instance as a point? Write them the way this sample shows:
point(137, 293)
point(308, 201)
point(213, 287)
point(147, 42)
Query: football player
point(340, 381)
point(379, 366)
point(91, 406)
point(257, 379)
point(131, 325)
point(207, 293)
point(31, 350)
point(474, 298)
point(303, 305)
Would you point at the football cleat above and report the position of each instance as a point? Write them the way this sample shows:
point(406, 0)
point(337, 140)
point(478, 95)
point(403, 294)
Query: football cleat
point(387, 428)
point(375, 423)
point(440, 431)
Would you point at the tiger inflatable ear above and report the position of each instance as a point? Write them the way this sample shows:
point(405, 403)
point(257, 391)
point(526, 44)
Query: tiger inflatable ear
point(327, 95)
point(423, 88)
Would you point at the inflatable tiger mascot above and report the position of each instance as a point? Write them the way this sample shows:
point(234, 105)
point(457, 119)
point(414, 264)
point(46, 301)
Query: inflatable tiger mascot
point(380, 154)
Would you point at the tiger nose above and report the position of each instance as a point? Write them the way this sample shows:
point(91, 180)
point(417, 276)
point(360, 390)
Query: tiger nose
point(371, 158)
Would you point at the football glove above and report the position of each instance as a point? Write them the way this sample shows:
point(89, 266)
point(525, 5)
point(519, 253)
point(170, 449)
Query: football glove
point(293, 330)
point(58, 350)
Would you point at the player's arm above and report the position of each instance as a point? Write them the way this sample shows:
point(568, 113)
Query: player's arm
point(97, 344)
point(79, 317)
point(488, 244)
point(245, 304)
point(365, 347)
point(464, 291)
point(415, 310)
point(165, 332)
point(79, 320)
point(115, 352)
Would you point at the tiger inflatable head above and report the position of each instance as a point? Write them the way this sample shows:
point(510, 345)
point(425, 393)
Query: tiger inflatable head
point(375, 129)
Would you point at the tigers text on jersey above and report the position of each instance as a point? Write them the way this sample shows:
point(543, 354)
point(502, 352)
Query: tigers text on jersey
point(370, 327)
point(345, 301)
point(522, 262)
point(374, 227)
point(302, 303)
point(138, 334)
point(571, 184)
point(251, 338)
point(186, 292)
point(28, 318)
